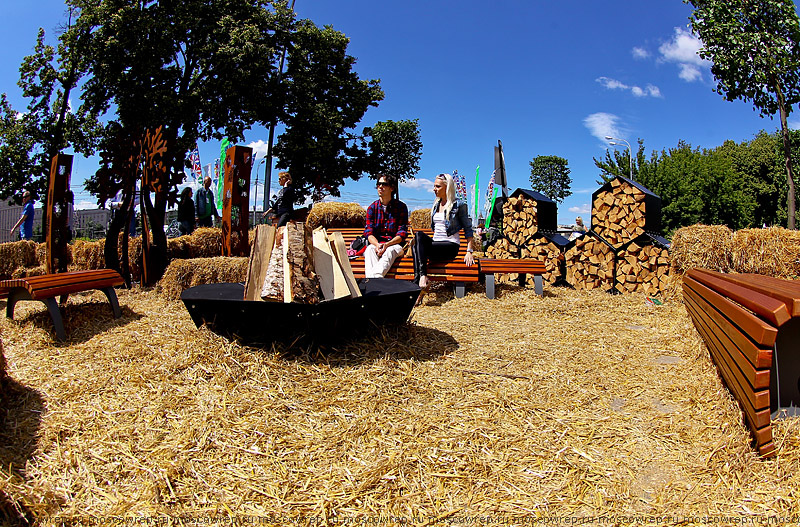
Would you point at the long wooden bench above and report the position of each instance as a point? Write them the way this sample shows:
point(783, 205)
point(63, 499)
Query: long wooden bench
point(47, 287)
point(453, 271)
point(524, 266)
point(751, 326)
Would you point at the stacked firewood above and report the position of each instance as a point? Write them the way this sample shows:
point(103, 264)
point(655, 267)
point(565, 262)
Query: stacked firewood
point(523, 239)
point(642, 268)
point(540, 248)
point(618, 214)
point(590, 264)
point(519, 219)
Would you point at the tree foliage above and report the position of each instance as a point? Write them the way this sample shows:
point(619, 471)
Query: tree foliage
point(735, 184)
point(30, 139)
point(550, 176)
point(325, 101)
point(755, 49)
point(395, 148)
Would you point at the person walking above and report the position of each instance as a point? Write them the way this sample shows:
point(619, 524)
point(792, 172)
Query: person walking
point(204, 205)
point(25, 222)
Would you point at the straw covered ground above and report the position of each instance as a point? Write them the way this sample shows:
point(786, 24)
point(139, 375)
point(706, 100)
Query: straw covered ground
point(577, 404)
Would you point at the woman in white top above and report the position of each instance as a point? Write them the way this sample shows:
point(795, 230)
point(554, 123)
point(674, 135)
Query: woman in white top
point(448, 217)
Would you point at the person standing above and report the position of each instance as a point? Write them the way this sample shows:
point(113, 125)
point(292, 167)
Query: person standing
point(448, 217)
point(386, 230)
point(204, 205)
point(25, 222)
point(186, 214)
point(283, 206)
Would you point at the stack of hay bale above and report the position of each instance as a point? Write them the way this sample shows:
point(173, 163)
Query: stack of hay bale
point(622, 252)
point(529, 231)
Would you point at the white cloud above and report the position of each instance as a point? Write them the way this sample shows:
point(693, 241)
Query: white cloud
point(613, 84)
point(259, 149)
point(583, 209)
point(794, 124)
point(682, 50)
point(689, 72)
point(85, 204)
point(640, 53)
point(417, 184)
point(602, 124)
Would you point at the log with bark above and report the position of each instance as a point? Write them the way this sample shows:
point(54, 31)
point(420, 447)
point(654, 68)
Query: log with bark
point(642, 268)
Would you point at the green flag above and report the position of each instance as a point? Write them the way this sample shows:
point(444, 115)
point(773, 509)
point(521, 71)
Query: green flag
point(491, 208)
point(221, 181)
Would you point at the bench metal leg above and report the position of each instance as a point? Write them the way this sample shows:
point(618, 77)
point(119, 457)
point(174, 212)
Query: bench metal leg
point(538, 284)
point(55, 315)
point(460, 289)
point(490, 286)
point(112, 299)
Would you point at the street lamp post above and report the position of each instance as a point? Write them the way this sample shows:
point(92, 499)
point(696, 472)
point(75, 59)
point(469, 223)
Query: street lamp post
point(255, 198)
point(611, 141)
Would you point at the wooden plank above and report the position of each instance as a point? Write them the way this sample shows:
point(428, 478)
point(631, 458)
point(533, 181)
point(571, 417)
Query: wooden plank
point(263, 242)
point(287, 269)
point(759, 418)
point(759, 358)
point(758, 330)
point(756, 378)
point(340, 251)
point(787, 291)
point(331, 278)
point(771, 309)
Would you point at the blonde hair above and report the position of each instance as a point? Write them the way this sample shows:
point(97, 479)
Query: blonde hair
point(451, 195)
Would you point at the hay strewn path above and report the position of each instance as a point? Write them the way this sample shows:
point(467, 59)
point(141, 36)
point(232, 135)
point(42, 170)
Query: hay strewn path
point(587, 404)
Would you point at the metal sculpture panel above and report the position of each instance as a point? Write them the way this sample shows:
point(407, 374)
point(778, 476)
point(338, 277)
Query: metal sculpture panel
point(236, 201)
point(59, 210)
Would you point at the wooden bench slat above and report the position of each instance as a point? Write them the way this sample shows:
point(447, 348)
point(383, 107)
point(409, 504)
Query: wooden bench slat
point(759, 358)
point(744, 369)
point(768, 307)
point(757, 418)
point(784, 290)
point(761, 332)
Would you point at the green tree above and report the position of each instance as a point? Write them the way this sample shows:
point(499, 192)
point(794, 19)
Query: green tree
point(755, 49)
point(550, 176)
point(325, 101)
point(29, 140)
point(619, 164)
point(395, 148)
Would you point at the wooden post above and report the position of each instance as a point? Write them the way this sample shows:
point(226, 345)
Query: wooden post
point(236, 201)
point(58, 208)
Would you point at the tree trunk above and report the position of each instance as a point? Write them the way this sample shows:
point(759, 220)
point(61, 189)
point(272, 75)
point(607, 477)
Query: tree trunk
point(787, 153)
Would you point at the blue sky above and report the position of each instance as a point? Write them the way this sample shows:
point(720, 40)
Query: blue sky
point(545, 78)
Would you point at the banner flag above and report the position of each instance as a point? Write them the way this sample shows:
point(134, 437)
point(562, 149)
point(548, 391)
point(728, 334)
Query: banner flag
point(194, 159)
point(221, 181)
point(461, 187)
point(489, 195)
point(473, 195)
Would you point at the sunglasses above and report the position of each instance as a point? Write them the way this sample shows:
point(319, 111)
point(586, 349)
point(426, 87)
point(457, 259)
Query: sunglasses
point(382, 184)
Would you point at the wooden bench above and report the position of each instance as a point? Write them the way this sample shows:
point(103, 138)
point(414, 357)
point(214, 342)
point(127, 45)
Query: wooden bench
point(454, 271)
point(47, 287)
point(490, 266)
point(751, 326)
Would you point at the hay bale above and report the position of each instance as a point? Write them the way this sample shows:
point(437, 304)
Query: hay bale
point(88, 255)
point(774, 251)
point(707, 246)
point(337, 215)
point(205, 242)
point(183, 274)
point(25, 272)
point(14, 255)
point(420, 219)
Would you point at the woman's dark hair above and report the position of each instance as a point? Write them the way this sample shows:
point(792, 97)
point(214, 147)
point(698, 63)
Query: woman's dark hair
point(185, 192)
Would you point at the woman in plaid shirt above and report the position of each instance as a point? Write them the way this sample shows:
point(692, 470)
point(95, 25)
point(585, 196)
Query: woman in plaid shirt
point(386, 230)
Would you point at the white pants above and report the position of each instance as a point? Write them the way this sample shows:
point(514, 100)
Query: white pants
point(375, 267)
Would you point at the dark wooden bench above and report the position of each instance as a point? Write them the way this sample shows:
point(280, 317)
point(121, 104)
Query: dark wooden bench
point(751, 326)
point(454, 271)
point(47, 287)
point(524, 266)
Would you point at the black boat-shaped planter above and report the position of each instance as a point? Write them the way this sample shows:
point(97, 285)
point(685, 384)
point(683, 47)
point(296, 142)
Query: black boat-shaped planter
point(222, 308)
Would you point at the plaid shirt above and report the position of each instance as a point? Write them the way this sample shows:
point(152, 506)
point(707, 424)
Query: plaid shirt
point(387, 222)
